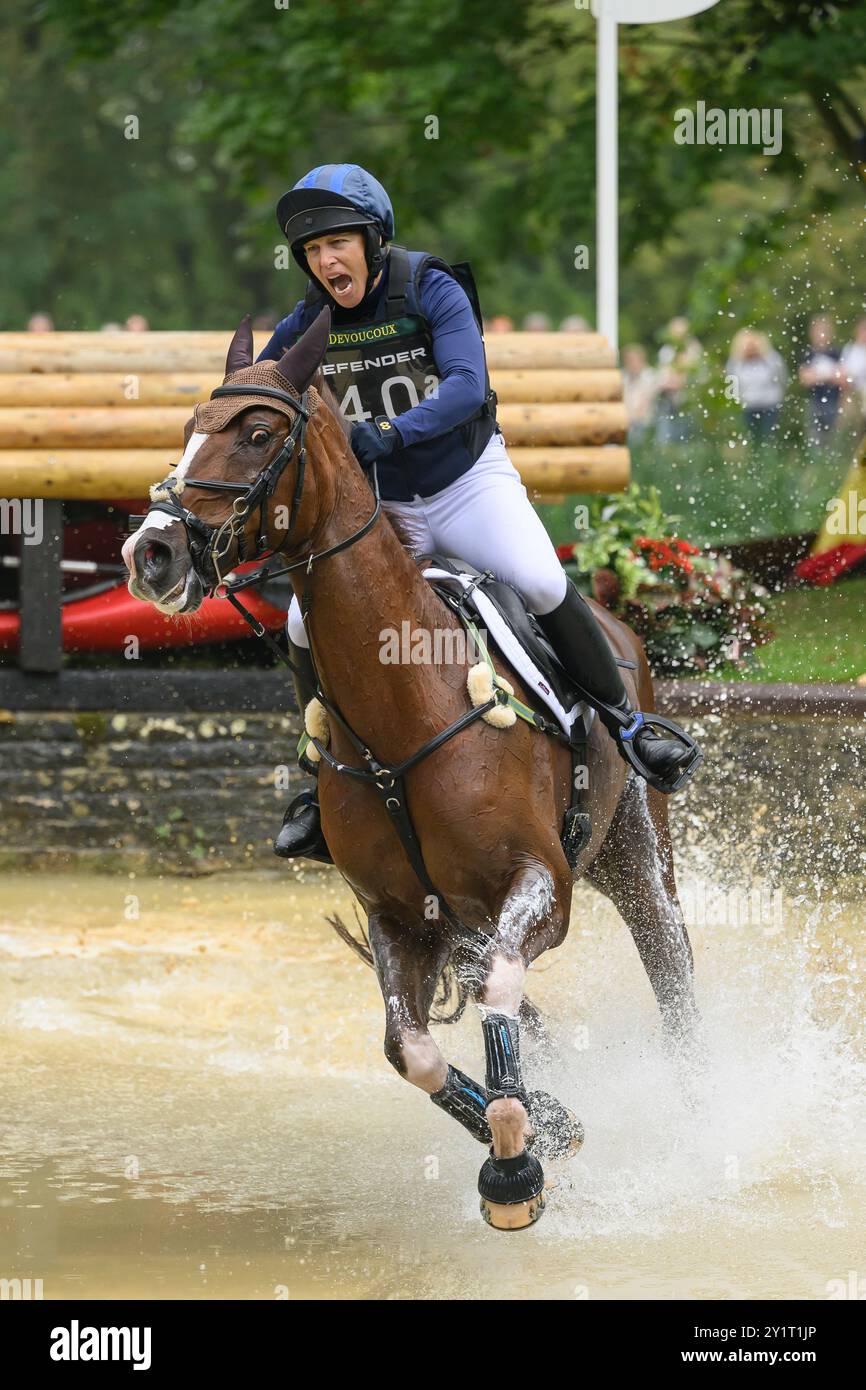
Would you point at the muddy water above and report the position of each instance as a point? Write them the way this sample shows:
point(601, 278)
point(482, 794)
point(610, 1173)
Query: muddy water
point(195, 1104)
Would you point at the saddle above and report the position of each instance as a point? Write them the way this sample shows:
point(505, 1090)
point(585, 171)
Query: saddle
point(514, 613)
point(507, 602)
point(552, 683)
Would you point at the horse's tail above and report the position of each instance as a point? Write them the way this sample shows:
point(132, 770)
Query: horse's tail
point(361, 948)
point(451, 996)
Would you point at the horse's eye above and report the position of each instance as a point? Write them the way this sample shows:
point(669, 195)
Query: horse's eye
point(259, 436)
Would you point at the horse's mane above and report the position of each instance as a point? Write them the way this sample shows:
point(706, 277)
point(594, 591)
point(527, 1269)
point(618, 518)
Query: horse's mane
point(330, 399)
point(325, 391)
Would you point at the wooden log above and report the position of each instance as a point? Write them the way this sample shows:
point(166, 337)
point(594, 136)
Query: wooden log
point(566, 471)
point(125, 390)
point(118, 352)
point(206, 352)
point(103, 474)
point(83, 474)
point(100, 427)
point(533, 386)
point(571, 351)
point(152, 427)
point(566, 425)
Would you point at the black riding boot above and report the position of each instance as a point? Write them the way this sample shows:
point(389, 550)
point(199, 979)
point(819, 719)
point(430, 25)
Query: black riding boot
point(583, 650)
point(300, 835)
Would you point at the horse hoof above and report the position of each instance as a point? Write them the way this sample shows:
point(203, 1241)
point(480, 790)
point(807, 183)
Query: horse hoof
point(512, 1192)
point(558, 1132)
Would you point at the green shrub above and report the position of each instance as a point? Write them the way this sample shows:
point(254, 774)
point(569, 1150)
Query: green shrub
point(694, 611)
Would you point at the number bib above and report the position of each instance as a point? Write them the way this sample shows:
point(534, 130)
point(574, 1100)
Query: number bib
point(384, 367)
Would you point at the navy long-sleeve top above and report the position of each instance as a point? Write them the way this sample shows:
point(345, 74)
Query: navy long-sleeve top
point(457, 350)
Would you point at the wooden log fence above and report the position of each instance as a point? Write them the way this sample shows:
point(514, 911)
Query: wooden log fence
point(100, 417)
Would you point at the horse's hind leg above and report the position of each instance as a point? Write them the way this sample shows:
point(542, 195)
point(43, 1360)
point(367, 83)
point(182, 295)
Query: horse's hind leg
point(634, 868)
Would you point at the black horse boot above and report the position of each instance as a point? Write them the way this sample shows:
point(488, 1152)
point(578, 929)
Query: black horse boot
point(665, 762)
point(300, 835)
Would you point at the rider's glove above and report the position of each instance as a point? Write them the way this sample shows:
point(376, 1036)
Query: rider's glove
point(374, 440)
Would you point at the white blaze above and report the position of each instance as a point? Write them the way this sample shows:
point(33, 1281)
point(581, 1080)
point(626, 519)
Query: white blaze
point(157, 521)
point(196, 440)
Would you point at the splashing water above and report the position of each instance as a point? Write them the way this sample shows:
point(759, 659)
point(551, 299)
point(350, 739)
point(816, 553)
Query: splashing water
point(224, 1065)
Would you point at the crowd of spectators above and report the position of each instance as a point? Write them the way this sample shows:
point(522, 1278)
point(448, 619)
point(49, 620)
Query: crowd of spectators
point(831, 379)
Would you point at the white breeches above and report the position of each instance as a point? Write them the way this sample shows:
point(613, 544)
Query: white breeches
point(484, 517)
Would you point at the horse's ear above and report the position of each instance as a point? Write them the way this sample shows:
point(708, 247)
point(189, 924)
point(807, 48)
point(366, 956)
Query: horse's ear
point(300, 364)
point(188, 429)
point(241, 350)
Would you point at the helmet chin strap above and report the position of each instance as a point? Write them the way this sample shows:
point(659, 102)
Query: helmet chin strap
point(374, 254)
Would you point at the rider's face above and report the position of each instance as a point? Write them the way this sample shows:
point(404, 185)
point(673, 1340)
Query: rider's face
point(338, 261)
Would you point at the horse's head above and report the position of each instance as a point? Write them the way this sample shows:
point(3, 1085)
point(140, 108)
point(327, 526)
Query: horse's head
point(238, 490)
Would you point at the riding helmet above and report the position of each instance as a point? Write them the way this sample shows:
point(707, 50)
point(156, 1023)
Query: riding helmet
point(336, 197)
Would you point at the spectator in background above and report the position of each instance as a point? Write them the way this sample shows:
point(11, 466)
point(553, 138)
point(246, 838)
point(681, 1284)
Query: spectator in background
point(679, 357)
point(760, 377)
point(822, 375)
point(639, 391)
point(137, 323)
point(111, 328)
point(854, 366)
point(40, 323)
point(536, 323)
point(574, 323)
point(501, 323)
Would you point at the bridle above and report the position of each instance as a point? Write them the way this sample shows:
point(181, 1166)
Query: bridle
point(210, 544)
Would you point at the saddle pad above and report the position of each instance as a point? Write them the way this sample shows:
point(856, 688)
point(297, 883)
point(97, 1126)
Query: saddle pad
point(501, 634)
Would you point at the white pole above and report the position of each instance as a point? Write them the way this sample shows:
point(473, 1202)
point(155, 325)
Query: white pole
point(608, 14)
point(607, 178)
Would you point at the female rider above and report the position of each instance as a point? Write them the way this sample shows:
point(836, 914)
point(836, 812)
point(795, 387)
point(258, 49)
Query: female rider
point(406, 353)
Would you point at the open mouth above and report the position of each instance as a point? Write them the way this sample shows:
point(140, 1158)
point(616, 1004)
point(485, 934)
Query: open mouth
point(185, 597)
point(340, 285)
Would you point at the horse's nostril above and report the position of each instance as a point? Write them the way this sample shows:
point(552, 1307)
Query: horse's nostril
point(152, 559)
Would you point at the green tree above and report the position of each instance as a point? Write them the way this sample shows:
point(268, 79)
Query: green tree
point(480, 120)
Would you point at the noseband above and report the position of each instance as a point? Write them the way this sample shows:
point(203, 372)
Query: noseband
point(209, 545)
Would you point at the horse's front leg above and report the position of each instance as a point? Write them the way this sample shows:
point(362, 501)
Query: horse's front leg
point(511, 1182)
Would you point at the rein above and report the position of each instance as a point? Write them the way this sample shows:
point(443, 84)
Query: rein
point(219, 536)
point(210, 544)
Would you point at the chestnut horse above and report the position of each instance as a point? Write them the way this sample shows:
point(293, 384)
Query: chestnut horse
point(487, 805)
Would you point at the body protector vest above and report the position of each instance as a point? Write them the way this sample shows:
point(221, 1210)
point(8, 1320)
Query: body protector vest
point(386, 366)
